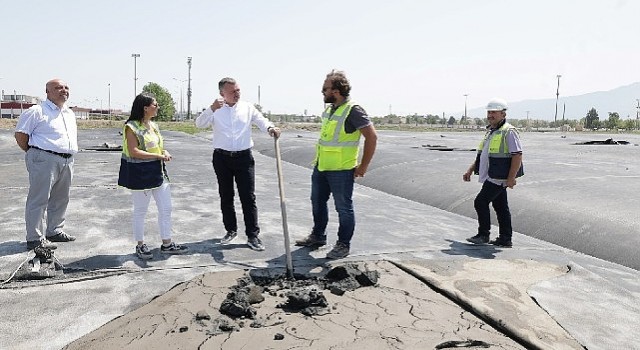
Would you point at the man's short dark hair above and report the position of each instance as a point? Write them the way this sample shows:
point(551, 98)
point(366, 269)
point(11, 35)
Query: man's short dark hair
point(339, 82)
point(226, 81)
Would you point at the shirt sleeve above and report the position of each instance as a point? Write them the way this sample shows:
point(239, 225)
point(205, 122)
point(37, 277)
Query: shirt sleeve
point(513, 141)
point(357, 119)
point(205, 119)
point(259, 120)
point(28, 121)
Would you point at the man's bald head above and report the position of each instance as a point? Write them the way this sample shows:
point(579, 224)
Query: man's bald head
point(57, 92)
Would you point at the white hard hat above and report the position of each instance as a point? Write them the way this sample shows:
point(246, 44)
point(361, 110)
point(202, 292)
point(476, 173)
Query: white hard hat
point(497, 104)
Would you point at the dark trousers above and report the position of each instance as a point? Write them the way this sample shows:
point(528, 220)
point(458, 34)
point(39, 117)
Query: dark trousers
point(497, 196)
point(238, 167)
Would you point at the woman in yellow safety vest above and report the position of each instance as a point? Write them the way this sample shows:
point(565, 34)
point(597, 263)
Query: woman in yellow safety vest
point(142, 170)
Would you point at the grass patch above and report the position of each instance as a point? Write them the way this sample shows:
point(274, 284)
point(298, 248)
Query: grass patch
point(186, 127)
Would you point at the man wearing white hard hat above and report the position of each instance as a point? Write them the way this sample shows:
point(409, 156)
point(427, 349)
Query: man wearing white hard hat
point(498, 163)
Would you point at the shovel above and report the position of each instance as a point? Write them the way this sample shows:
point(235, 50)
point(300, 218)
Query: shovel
point(283, 208)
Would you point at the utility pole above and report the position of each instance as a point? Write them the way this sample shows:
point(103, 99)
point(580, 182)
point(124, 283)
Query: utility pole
point(181, 81)
point(259, 97)
point(189, 89)
point(638, 114)
point(465, 106)
point(135, 74)
point(555, 118)
point(109, 85)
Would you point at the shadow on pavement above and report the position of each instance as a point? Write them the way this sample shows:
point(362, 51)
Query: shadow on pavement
point(12, 247)
point(486, 251)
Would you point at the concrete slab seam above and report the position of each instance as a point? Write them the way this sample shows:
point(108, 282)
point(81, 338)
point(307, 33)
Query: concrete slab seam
point(462, 302)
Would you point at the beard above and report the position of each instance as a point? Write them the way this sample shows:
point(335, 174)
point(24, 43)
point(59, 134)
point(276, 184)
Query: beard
point(329, 99)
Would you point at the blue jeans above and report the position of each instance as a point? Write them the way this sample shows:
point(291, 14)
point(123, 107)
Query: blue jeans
point(497, 196)
point(340, 185)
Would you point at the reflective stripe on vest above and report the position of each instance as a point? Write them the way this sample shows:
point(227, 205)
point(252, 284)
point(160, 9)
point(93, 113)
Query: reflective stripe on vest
point(336, 149)
point(146, 140)
point(498, 147)
point(499, 155)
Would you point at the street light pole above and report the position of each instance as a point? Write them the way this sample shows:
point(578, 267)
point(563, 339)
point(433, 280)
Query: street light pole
point(189, 89)
point(109, 85)
point(465, 106)
point(638, 113)
point(182, 81)
point(135, 73)
point(555, 118)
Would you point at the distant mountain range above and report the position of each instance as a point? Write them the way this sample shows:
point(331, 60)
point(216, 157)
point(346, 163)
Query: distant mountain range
point(621, 100)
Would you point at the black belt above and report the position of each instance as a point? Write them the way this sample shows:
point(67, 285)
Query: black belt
point(63, 155)
point(232, 153)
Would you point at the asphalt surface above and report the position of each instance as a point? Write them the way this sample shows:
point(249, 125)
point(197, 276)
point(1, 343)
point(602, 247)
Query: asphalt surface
point(408, 208)
point(582, 197)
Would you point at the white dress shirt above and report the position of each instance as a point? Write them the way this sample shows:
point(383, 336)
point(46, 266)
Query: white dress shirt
point(50, 128)
point(232, 125)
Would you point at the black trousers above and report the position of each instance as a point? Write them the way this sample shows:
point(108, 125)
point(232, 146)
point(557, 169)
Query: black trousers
point(238, 167)
point(497, 196)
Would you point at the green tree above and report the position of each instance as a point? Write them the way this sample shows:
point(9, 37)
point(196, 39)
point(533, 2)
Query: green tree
point(432, 119)
point(614, 120)
point(592, 120)
point(166, 105)
point(451, 120)
point(629, 124)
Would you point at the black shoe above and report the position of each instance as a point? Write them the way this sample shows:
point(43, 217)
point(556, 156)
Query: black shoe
point(61, 237)
point(478, 239)
point(312, 241)
point(228, 237)
point(173, 248)
point(143, 252)
point(44, 243)
point(255, 243)
point(339, 251)
point(501, 242)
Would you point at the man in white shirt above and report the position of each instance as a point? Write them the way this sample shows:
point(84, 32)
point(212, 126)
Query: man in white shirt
point(48, 135)
point(231, 120)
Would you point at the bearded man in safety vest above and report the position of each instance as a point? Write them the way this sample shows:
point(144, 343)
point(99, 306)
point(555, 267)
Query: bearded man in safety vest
point(498, 163)
point(336, 163)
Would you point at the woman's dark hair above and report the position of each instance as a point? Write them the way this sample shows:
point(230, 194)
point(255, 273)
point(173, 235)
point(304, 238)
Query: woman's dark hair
point(137, 109)
point(339, 82)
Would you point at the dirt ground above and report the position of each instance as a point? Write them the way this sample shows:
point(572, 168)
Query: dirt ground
point(399, 313)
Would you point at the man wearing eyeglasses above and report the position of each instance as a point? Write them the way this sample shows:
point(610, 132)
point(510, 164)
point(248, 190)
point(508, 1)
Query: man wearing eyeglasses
point(336, 163)
point(48, 134)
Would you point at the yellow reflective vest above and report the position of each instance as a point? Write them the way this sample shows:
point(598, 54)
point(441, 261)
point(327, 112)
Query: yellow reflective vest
point(148, 140)
point(142, 174)
point(499, 155)
point(337, 150)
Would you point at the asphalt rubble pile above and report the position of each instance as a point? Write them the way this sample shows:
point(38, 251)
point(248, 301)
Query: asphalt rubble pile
point(304, 294)
point(43, 265)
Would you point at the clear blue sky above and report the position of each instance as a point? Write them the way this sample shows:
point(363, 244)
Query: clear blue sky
point(409, 57)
